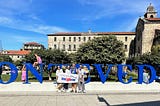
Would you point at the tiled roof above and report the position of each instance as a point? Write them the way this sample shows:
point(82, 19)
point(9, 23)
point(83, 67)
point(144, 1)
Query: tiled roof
point(153, 19)
point(97, 33)
point(68, 33)
point(32, 43)
point(17, 52)
point(65, 33)
point(116, 33)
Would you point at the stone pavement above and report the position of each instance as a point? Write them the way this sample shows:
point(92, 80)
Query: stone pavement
point(77, 99)
point(97, 94)
point(92, 86)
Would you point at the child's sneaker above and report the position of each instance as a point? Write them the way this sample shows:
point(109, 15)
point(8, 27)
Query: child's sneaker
point(59, 90)
point(71, 91)
point(84, 91)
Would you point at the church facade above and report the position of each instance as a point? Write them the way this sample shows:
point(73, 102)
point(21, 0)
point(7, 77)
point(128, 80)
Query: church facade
point(147, 29)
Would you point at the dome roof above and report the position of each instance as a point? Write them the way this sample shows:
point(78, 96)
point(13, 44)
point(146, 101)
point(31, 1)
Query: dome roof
point(150, 8)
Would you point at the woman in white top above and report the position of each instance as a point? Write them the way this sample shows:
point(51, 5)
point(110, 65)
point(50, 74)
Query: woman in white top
point(67, 70)
point(58, 71)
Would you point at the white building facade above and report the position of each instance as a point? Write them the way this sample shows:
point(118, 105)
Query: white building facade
point(71, 41)
point(16, 54)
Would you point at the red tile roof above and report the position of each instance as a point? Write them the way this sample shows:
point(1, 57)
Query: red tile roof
point(98, 33)
point(153, 19)
point(65, 33)
point(68, 33)
point(17, 52)
point(116, 33)
point(32, 43)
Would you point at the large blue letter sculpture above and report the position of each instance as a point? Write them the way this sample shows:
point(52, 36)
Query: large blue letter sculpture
point(34, 72)
point(121, 73)
point(100, 72)
point(140, 73)
point(13, 73)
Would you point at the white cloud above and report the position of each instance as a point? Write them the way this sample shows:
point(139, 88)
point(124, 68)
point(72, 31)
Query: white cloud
point(24, 39)
point(18, 14)
point(5, 20)
point(111, 8)
point(44, 29)
point(129, 25)
point(30, 26)
point(21, 39)
point(18, 41)
point(15, 5)
point(49, 29)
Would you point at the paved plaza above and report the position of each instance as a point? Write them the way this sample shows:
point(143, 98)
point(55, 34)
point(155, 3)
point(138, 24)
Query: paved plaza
point(77, 99)
point(97, 94)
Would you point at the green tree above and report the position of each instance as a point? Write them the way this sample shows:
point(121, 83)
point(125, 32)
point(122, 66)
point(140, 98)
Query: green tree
point(141, 59)
point(155, 49)
point(56, 56)
point(103, 50)
point(18, 63)
point(49, 56)
point(72, 57)
point(5, 58)
point(147, 58)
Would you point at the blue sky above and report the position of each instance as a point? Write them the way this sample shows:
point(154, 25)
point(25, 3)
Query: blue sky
point(31, 20)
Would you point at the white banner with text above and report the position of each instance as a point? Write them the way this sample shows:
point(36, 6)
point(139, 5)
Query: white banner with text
point(67, 78)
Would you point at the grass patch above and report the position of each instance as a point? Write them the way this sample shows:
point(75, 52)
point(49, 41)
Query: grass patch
point(31, 77)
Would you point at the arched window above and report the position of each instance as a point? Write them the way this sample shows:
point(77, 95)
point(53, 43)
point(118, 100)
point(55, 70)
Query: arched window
point(64, 47)
point(55, 46)
point(151, 16)
point(69, 49)
point(74, 47)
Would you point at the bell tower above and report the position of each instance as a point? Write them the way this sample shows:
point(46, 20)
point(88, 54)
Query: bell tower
point(146, 30)
point(150, 13)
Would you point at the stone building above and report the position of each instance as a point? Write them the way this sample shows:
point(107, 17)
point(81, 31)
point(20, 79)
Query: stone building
point(71, 41)
point(16, 54)
point(147, 29)
point(32, 46)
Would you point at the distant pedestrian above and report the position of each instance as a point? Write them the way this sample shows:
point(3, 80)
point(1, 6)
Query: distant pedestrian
point(23, 77)
point(125, 70)
point(86, 71)
point(145, 76)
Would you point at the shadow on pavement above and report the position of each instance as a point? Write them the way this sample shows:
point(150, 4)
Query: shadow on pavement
point(151, 103)
point(101, 99)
